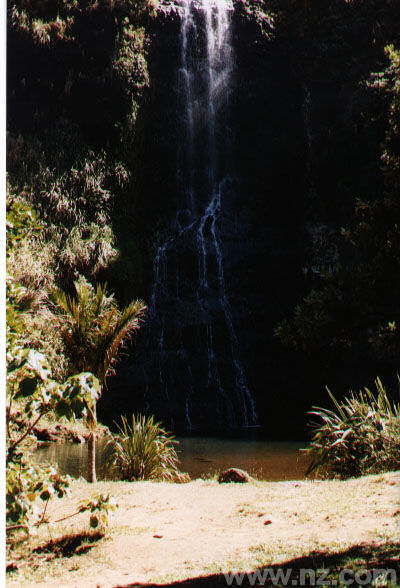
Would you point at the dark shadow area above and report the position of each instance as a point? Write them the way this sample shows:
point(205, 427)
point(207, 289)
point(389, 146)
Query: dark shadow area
point(76, 544)
point(365, 558)
point(63, 547)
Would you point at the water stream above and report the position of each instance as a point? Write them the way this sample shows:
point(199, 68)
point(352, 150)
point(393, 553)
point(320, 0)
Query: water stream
point(204, 185)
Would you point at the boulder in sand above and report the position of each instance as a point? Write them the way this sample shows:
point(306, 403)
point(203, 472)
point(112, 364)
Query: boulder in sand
point(233, 475)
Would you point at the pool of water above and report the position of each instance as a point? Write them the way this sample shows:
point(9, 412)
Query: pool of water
point(199, 456)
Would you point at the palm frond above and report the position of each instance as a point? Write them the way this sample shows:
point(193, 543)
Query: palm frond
point(127, 323)
point(94, 327)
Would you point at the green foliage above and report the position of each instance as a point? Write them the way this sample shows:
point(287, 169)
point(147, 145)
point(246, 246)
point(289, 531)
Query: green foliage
point(79, 71)
point(78, 195)
point(31, 391)
point(130, 66)
point(388, 82)
point(87, 250)
point(29, 385)
point(44, 31)
point(142, 450)
point(27, 254)
point(355, 305)
point(29, 378)
point(29, 381)
point(22, 221)
point(258, 12)
point(18, 303)
point(70, 70)
point(29, 489)
point(93, 326)
point(30, 271)
point(101, 508)
point(362, 435)
point(94, 329)
point(26, 483)
point(75, 202)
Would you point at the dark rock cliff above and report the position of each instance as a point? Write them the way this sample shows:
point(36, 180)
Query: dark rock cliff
point(260, 230)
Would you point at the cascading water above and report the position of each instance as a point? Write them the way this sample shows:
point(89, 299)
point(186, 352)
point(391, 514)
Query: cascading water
point(189, 264)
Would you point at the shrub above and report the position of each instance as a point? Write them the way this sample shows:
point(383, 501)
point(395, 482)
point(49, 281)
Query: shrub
point(31, 388)
point(94, 330)
point(30, 271)
point(361, 437)
point(143, 450)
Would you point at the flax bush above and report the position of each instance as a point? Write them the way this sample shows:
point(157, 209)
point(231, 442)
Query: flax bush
point(362, 435)
point(142, 450)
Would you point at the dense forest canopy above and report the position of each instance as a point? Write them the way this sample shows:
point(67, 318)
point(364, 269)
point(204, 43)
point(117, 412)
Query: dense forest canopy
point(92, 143)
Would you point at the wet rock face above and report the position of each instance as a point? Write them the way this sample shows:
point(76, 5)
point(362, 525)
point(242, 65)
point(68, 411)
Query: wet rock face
point(194, 365)
point(219, 262)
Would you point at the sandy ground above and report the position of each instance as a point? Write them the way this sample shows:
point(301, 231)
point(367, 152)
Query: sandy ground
point(164, 532)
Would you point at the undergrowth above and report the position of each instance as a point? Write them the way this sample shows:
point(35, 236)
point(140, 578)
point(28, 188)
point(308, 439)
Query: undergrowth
point(362, 435)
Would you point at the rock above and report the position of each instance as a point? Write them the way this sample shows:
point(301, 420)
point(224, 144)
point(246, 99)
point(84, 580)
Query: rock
point(233, 475)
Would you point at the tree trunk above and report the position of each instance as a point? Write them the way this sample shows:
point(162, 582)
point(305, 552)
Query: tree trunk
point(92, 456)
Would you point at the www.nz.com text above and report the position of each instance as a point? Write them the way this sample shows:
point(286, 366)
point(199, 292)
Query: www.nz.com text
point(309, 577)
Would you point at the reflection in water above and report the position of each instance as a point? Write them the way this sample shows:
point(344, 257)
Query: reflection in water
point(265, 460)
point(200, 456)
point(72, 458)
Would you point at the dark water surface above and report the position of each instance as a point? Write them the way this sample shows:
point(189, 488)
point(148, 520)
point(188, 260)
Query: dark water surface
point(200, 456)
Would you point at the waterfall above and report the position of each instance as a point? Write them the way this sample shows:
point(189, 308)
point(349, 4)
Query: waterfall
point(204, 185)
